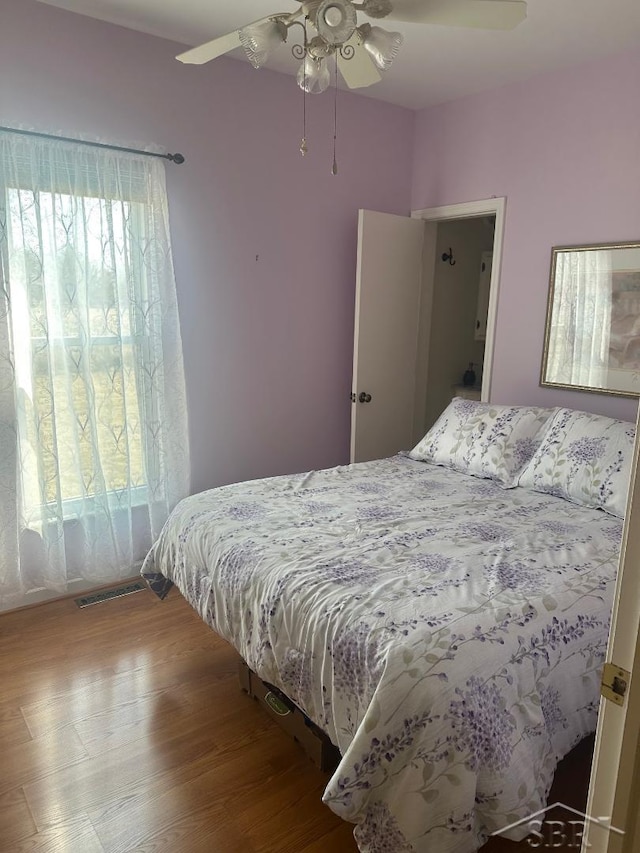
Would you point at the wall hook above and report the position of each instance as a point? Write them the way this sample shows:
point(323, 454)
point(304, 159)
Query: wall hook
point(449, 257)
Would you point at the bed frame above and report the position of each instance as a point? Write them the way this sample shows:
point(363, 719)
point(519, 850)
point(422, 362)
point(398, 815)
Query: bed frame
point(289, 717)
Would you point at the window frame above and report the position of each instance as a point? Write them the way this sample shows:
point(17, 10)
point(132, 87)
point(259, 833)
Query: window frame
point(75, 506)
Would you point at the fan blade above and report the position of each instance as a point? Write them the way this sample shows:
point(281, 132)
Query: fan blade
point(480, 14)
point(360, 71)
point(213, 49)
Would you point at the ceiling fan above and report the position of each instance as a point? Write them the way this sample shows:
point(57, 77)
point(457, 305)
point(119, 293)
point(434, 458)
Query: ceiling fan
point(367, 49)
point(330, 28)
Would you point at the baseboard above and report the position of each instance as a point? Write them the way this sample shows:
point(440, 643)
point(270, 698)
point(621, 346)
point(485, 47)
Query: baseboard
point(74, 589)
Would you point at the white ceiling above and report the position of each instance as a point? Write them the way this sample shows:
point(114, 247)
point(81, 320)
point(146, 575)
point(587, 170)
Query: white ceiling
point(435, 64)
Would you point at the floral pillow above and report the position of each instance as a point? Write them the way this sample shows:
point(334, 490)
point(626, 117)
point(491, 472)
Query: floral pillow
point(495, 442)
point(585, 459)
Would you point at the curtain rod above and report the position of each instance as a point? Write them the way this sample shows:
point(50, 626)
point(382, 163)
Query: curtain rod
point(175, 158)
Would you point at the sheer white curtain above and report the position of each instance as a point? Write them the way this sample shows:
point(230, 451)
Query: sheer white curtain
point(93, 424)
point(581, 311)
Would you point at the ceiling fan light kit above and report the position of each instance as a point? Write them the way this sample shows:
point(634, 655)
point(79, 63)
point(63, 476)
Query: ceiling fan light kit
point(360, 52)
point(335, 22)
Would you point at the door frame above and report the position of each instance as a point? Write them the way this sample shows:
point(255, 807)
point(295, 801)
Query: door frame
point(495, 206)
point(614, 786)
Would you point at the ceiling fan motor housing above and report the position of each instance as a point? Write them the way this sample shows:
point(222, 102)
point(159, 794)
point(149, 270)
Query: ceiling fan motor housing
point(377, 8)
point(335, 21)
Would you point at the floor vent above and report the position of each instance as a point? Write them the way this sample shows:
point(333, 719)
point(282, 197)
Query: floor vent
point(108, 594)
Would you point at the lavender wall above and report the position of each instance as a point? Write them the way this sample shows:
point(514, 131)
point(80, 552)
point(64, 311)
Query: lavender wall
point(267, 342)
point(564, 148)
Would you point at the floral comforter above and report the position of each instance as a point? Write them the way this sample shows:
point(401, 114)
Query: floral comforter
point(447, 634)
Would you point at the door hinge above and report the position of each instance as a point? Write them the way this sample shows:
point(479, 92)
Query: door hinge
point(615, 681)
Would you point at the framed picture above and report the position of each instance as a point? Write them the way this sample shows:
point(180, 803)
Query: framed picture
point(592, 336)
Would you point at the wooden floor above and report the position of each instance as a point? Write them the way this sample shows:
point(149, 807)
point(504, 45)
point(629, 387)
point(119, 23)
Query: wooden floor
point(123, 728)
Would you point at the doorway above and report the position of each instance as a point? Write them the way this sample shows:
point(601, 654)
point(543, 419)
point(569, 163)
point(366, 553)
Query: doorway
point(459, 304)
point(393, 403)
point(494, 208)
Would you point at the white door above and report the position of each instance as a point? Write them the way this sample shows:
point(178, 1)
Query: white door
point(615, 790)
point(388, 286)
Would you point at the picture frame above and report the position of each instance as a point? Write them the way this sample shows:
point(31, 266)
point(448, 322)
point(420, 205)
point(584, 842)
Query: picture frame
point(592, 331)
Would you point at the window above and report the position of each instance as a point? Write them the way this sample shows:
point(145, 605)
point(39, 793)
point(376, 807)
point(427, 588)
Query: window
point(93, 425)
point(77, 368)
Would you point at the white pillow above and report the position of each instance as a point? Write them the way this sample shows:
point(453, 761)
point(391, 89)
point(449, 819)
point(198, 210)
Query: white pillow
point(585, 459)
point(495, 442)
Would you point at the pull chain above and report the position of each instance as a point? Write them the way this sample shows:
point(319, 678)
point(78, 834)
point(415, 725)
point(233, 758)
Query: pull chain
point(334, 168)
point(303, 143)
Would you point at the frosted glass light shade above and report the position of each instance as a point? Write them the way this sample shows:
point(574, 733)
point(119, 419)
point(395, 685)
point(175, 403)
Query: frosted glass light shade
point(258, 40)
point(314, 76)
point(381, 45)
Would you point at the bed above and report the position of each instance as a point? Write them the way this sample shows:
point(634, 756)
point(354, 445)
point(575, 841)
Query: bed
point(443, 626)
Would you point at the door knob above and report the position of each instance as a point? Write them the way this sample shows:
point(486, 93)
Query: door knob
point(364, 398)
